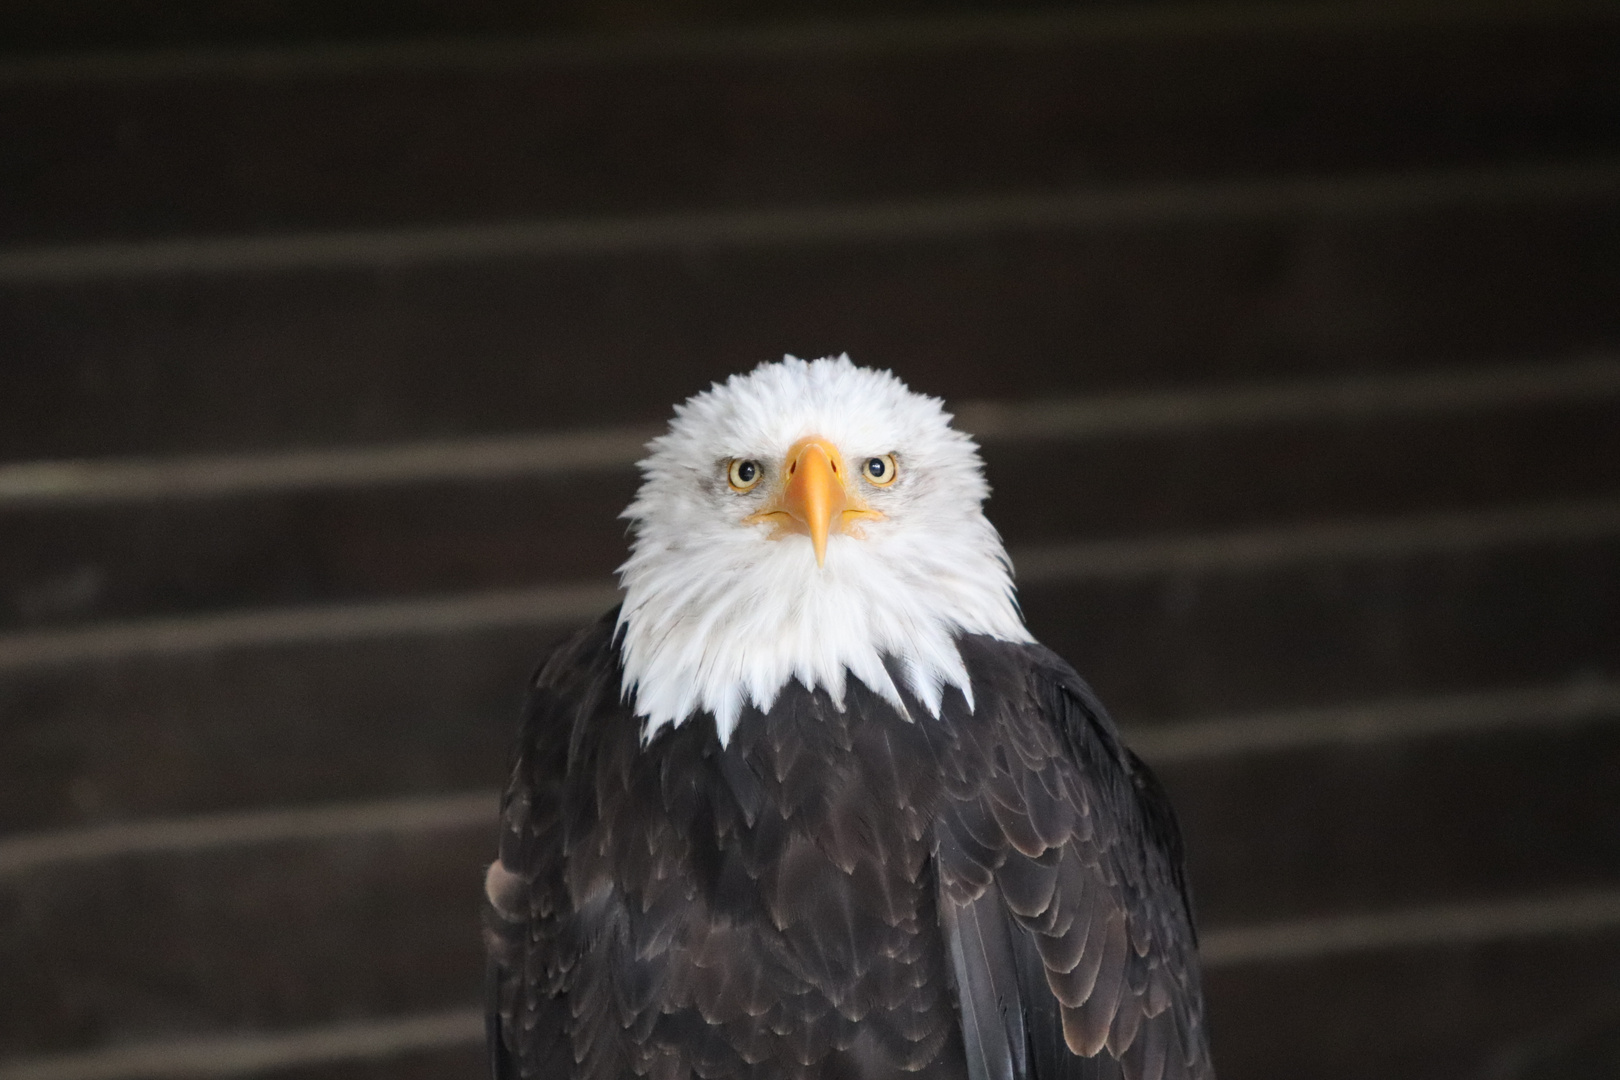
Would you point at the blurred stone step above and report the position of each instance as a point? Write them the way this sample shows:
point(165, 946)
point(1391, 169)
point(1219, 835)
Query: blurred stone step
point(153, 720)
point(289, 933)
point(266, 936)
point(1409, 1014)
point(322, 138)
point(286, 724)
point(1335, 630)
point(1349, 826)
point(354, 341)
point(217, 555)
point(76, 562)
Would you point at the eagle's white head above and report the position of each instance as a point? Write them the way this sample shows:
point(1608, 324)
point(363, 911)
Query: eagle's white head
point(802, 521)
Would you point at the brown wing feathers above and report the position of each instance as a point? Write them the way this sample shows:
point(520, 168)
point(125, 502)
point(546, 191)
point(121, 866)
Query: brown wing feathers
point(1067, 838)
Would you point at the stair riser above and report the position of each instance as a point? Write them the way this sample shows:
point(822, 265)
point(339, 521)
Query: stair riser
point(263, 936)
point(1425, 821)
point(1201, 643)
point(1411, 1014)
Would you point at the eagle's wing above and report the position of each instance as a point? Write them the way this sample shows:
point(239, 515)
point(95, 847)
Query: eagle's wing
point(1061, 891)
point(530, 941)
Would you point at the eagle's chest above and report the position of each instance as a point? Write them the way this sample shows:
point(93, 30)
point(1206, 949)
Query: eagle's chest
point(807, 928)
point(834, 815)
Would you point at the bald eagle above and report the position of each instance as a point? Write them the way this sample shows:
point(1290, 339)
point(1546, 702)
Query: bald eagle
point(812, 802)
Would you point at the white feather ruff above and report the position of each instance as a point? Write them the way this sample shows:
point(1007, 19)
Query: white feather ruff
point(717, 615)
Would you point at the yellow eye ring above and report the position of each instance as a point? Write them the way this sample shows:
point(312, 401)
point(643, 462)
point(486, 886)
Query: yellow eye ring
point(743, 474)
point(880, 470)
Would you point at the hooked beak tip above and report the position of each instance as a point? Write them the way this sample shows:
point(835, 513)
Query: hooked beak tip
point(815, 495)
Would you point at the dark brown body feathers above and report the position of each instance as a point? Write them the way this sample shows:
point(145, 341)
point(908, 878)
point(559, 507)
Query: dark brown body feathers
point(990, 895)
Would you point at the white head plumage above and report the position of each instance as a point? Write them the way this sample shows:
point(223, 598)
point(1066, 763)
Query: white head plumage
point(725, 600)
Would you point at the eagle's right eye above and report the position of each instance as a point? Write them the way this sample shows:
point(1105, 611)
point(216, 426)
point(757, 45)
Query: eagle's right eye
point(743, 474)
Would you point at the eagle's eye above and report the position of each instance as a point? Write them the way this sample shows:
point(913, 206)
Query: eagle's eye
point(743, 474)
point(880, 470)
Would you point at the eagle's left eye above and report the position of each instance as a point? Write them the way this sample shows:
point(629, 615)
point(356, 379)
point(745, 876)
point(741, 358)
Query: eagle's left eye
point(743, 474)
point(880, 470)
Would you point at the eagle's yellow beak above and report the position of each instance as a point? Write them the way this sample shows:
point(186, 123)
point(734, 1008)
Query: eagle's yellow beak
point(816, 496)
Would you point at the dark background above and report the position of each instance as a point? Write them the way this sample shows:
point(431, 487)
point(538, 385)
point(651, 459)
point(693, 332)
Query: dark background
point(1293, 334)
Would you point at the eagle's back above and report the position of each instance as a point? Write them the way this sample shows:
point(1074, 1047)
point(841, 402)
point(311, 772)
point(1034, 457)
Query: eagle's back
point(836, 893)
